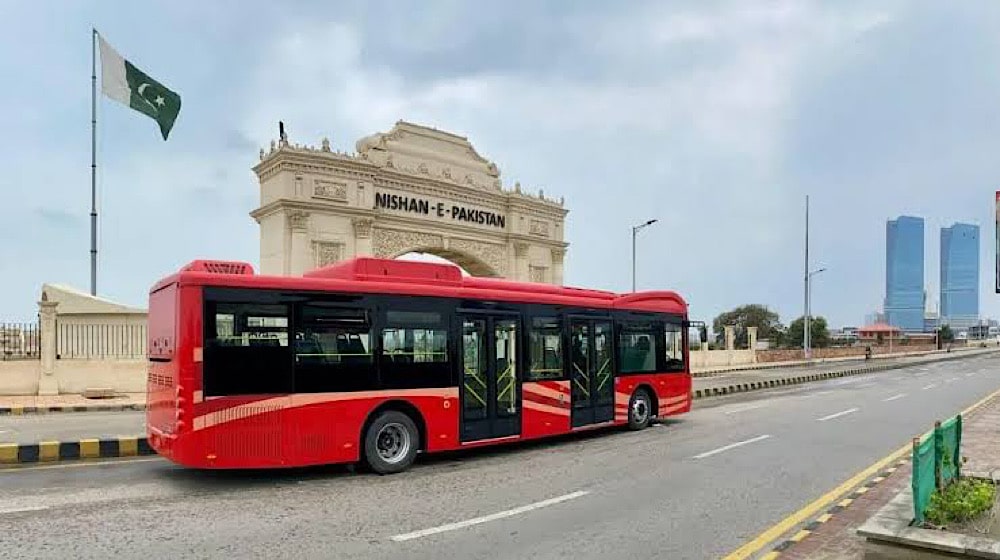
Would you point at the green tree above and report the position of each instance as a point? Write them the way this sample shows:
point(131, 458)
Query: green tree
point(751, 315)
point(819, 335)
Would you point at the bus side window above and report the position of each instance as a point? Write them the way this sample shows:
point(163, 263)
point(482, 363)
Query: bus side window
point(546, 349)
point(414, 350)
point(334, 349)
point(637, 347)
point(673, 347)
point(246, 349)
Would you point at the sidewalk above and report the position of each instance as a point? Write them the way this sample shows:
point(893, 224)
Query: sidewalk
point(70, 403)
point(834, 537)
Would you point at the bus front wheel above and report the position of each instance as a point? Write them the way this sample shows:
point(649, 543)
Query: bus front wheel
point(391, 442)
point(640, 410)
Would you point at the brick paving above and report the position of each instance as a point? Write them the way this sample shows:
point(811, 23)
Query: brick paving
point(835, 539)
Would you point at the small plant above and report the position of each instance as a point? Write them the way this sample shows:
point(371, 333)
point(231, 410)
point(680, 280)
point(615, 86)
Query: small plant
point(961, 501)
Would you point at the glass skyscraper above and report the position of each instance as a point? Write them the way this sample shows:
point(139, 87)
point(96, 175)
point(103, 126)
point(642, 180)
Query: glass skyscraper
point(960, 275)
point(904, 273)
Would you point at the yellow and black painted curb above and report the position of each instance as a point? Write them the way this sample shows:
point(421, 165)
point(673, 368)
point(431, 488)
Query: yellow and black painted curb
point(51, 451)
point(783, 381)
point(813, 525)
point(19, 410)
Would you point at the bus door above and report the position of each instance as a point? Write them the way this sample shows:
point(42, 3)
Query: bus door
point(592, 388)
point(490, 388)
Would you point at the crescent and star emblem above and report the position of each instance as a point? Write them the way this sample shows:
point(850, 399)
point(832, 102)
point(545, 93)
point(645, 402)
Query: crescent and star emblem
point(156, 104)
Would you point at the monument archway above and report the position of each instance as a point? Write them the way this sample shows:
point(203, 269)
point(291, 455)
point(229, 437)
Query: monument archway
point(412, 189)
point(467, 263)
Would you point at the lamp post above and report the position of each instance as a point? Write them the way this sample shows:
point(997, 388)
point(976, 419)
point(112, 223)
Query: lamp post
point(806, 333)
point(634, 230)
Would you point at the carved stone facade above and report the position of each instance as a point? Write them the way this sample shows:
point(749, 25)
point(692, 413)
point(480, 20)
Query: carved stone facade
point(392, 243)
point(412, 189)
point(327, 252)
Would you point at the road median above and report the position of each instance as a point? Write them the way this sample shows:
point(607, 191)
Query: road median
point(734, 387)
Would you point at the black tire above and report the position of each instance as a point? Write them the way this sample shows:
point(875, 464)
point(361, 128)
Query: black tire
point(640, 410)
point(391, 442)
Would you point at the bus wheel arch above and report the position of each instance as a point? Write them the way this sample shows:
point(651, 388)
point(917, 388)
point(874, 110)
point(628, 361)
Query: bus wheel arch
point(399, 413)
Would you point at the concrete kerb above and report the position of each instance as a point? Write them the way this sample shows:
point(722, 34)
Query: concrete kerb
point(53, 451)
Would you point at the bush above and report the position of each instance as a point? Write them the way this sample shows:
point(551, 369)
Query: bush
point(961, 501)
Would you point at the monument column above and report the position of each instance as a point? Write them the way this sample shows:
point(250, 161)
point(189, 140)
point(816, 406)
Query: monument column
point(557, 266)
point(521, 272)
point(300, 256)
point(363, 237)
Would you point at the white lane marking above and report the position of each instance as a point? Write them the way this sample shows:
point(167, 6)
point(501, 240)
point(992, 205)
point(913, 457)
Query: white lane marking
point(23, 509)
point(931, 386)
point(861, 385)
point(970, 374)
point(898, 378)
point(488, 518)
point(894, 397)
point(819, 393)
point(731, 446)
point(921, 374)
point(746, 408)
point(951, 380)
point(846, 381)
point(837, 414)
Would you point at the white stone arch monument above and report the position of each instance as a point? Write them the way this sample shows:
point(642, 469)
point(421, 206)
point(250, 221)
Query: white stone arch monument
point(413, 189)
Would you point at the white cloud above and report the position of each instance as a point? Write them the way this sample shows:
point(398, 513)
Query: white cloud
point(708, 136)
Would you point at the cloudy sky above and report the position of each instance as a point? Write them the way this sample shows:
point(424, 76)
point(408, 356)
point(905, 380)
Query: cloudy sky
point(717, 118)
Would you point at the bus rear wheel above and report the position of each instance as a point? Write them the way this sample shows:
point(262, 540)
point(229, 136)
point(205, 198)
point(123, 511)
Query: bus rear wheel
point(640, 410)
point(391, 442)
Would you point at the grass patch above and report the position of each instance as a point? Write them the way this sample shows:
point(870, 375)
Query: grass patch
point(961, 501)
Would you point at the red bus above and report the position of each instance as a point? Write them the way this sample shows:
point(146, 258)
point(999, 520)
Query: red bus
point(377, 360)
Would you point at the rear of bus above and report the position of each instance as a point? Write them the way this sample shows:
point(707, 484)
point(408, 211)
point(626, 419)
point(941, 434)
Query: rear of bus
point(164, 418)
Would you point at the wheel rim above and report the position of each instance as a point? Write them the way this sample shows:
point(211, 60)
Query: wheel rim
point(640, 410)
point(393, 443)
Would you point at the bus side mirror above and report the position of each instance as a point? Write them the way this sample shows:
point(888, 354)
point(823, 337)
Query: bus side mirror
point(703, 333)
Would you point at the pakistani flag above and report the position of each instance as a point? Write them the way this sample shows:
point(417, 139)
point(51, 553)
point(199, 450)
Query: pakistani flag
point(126, 84)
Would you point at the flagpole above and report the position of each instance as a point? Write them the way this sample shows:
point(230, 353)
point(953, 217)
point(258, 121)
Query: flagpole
point(93, 162)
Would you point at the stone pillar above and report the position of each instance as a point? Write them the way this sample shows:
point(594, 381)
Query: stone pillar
point(730, 344)
point(521, 271)
point(557, 266)
point(300, 252)
point(363, 237)
point(704, 352)
point(47, 383)
point(752, 343)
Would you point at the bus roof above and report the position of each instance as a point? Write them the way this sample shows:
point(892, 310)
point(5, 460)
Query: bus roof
point(391, 276)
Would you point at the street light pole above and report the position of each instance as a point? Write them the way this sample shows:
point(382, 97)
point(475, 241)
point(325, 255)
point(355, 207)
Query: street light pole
point(807, 335)
point(635, 229)
point(805, 295)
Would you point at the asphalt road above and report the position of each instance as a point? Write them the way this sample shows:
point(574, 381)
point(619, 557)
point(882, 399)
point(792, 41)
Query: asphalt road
point(68, 426)
point(696, 487)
